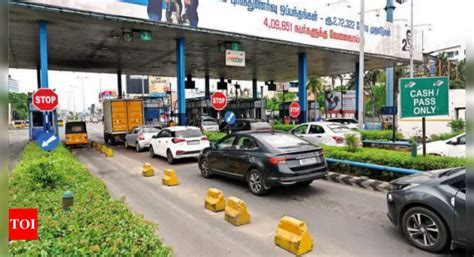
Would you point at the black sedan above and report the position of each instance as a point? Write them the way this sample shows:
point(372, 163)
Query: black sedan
point(429, 208)
point(264, 159)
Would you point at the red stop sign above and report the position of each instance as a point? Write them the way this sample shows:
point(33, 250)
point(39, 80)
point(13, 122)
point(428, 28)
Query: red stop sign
point(45, 99)
point(295, 110)
point(218, 101)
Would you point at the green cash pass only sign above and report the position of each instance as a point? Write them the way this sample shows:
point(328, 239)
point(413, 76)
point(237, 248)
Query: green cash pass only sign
point(421, 97)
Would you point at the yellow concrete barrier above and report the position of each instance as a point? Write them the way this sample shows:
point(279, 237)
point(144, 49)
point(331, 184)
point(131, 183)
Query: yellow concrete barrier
point(109, 152)
point(98, 147)
point(93, 144)
point(215, 200)
point(170, 178)
point(292, 235)
point(103, 149)
point(147, 170)
point(236, 211)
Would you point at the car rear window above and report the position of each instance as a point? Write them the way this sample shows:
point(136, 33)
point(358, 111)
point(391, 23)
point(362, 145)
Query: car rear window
point(151, 129)
point(283, 141)
point(76, 128)
point(209, 123)
point(188, 133)
point(339, 128)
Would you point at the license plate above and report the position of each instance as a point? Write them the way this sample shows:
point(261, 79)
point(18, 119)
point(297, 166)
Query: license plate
point(308, 161)
point(193, 142)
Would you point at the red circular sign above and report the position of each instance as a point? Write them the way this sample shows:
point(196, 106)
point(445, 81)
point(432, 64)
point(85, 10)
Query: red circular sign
point(218, 101)
point(45, 99)
point(295, 110)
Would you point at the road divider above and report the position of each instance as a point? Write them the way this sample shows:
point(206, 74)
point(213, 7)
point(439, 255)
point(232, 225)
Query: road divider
point(293, 235)
point(170, 178)
point(148, 170)
point(236, 211)
point(215, 200)
point(108, 152)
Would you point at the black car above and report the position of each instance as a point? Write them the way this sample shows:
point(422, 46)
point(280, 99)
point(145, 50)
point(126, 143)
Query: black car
point(245, 125)
point(264, 160)
point(429, 208)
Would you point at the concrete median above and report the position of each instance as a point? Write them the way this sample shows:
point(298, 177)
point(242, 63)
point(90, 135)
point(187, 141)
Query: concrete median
point(292, 235)
point(236, 211)
point(215, 200)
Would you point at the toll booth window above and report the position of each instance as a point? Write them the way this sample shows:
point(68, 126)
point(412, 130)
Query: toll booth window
point(37, 118)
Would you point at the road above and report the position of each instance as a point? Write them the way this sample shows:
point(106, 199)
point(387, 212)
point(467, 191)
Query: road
point(17, 139)
point(343, 220)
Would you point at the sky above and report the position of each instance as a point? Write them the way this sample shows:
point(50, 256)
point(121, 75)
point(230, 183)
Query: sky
point(77, 91)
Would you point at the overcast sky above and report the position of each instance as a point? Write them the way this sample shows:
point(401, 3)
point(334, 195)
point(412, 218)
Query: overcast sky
point(448, 21)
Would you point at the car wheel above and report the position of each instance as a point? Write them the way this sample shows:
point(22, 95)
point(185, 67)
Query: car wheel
point(256, 182)
point(152, 152)
point(137, 147)
point(424, 229)
point(204, 167)
point(126, 144)
point(169, 157)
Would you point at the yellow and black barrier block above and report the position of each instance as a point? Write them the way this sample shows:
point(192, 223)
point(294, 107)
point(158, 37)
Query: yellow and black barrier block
point(215, 200)
point(293, 235)
point(170, 178)
point(236, 211)
point(108, 152)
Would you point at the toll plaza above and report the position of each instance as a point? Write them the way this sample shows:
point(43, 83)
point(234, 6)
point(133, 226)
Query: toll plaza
point(235, 41)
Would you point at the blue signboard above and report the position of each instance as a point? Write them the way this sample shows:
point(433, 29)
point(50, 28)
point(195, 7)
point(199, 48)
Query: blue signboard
point(229, 117)
point(48, 141)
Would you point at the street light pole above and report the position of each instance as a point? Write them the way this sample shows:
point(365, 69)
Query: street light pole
point(412, 38)
point(360, 106)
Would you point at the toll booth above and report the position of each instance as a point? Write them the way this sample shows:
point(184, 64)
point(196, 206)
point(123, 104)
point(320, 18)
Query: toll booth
point(243, 108)
point(156, 109)
point(35, 119)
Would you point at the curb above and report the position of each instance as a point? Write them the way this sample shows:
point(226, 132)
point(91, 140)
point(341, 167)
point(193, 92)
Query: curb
point(361, 182)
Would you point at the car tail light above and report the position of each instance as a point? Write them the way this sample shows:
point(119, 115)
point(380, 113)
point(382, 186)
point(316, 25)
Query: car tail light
point(204, 138)
point(141, 137)
point(178, 140)
point(179, 152)
point(277, 160)
point(338, 139)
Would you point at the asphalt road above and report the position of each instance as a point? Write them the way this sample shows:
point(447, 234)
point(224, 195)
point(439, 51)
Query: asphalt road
point(343, 220)
point(17, 139)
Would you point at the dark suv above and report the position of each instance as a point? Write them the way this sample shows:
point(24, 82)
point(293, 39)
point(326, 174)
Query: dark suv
point(429, 208)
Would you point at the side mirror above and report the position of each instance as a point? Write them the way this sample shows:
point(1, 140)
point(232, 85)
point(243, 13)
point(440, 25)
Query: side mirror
point(155, 136)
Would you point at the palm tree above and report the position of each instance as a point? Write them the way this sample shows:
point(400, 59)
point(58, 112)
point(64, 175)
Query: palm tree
point(315, 85)
point(371, 78)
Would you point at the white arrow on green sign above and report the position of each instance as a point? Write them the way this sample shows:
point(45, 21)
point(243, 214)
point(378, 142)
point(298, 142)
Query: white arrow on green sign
point(421, 97)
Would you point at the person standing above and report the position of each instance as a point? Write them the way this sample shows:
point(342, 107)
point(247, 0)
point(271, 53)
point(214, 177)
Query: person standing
point(155, 9)
point(191, 12)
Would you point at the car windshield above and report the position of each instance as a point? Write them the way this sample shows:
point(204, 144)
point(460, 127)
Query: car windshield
point(283, 141)
point(151, 129)
point(209, 122)
point(339, 128)
point(189, 133)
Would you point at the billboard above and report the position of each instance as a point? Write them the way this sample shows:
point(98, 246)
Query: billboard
point(305, 22)
point(334, 103)
point(107, 95)
point(159, 85)
point(137, 84)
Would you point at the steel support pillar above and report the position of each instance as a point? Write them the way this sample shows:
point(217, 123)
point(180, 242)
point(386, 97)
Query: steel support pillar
point(254, 90)
point(207, 86)
point(119, 84)
point(357, 91)
point(302, 80)
point(389, 89)
point(43, 45)
point(180, 71)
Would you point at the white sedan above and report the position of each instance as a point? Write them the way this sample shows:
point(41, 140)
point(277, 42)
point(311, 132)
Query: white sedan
point(324, 133)
point(454, 147)
point(140, 137)
point(178, 142)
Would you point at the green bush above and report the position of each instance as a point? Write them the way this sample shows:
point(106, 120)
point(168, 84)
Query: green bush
point(282, 127)
point(394, 158)
point(95, 225)
point(352, 143)
point(457, 126)
point(380, 135)
point(443, 136)
point(214, 136)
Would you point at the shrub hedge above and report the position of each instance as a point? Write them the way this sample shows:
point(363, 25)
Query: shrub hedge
point(95, 225)
point(443, 136)
point(214, 136)
point(380, 135)
point(283, 127)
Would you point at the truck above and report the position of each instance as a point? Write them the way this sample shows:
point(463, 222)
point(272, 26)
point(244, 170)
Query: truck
point(120, 116)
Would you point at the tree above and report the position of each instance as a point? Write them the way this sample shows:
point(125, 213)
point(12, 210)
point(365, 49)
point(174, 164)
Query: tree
point(315, 86)
point(373, 79)
point(19, 105)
